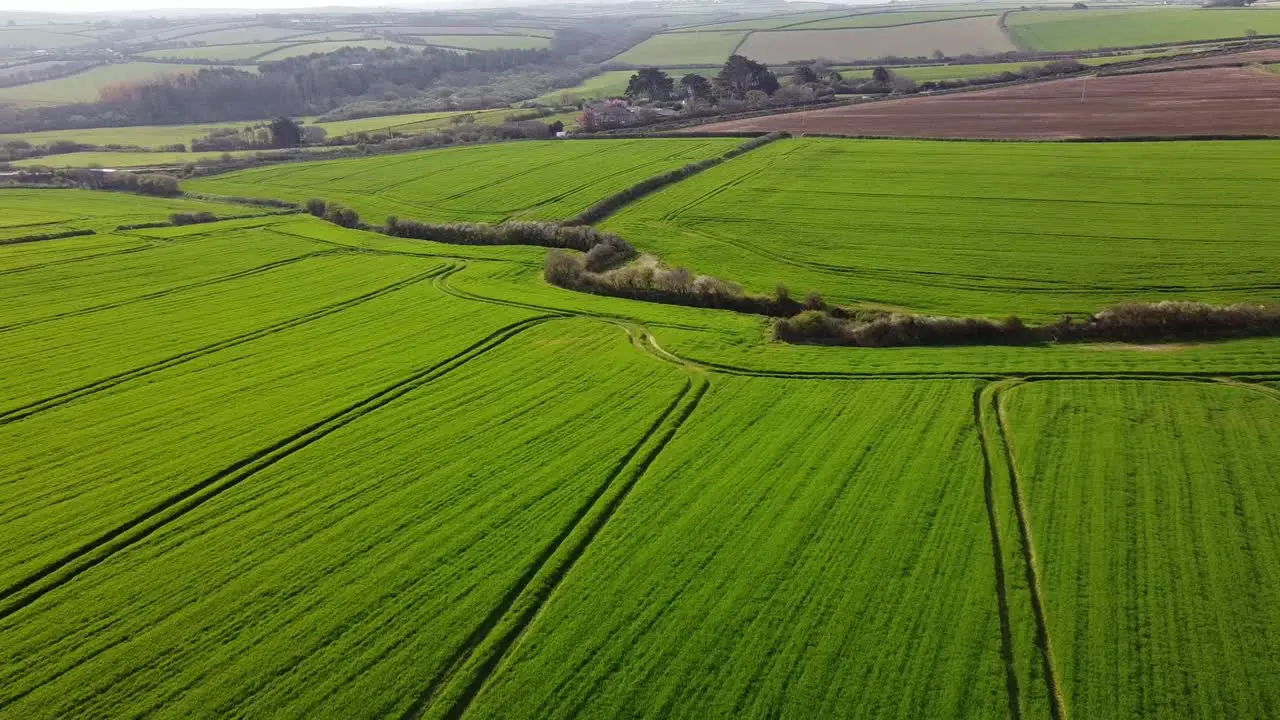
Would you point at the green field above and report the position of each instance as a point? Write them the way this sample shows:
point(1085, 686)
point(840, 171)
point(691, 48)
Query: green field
point(679, 49)
point(488, 42)
point(942, 227)
point(270, 467)
point(216, 53)
point(86, 86)
point(887, 19)
point(554, 180)
point(289, 51)
point(1148, 502)
point(244, 34)
point(40, 39)
point(1059, 31)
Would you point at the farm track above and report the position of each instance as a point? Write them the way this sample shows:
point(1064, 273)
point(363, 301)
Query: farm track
point(450, 695)
point(164, 293)
point(1057, 706)
point(22, 413)
point(33, 587)
point(997, 552)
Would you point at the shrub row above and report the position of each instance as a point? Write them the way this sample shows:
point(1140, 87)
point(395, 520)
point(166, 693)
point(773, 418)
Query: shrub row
point(652, 282)
point(141, 183)
point(46, 236)
point(603, 249)
point(613, 203)
point(1129, 322)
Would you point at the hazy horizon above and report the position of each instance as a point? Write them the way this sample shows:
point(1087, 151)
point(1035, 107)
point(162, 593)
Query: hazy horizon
point(125, 6)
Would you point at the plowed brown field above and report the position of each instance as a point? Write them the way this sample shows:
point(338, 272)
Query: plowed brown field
point(1215, 101)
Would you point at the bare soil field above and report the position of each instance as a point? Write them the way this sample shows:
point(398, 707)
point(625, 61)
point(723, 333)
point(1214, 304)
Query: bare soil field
point(1261, 57)
point(1214, 101)
point(980, 35)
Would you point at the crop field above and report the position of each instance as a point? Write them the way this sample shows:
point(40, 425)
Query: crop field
point(612, 83)
point(238, 35)
point(124, 159)
point(942, 227)
point(885, 19)
point(1209, 102)
point(289, 51)
point(488, 42)
point(40, 212)
point(977, 35)
point(268, 466)
point(1059, 31)
point(678, 49)
point(1152, 507)
point(39, 39)
point(553, 179)
point(216, 53)
point(768, 23)
point(85, 86)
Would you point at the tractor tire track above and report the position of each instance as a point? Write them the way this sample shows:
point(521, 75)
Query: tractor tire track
point(81, 258)
point(34, 408)
point(163, 293)
point(60, 572)
point(451, 692)
point(997, 551)
point(1057, 705)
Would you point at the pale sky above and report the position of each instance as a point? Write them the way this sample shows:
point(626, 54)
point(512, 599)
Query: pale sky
point(152, 5)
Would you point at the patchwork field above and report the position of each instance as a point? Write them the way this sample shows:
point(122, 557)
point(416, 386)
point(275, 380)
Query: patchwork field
point(530, 180)
point(697, 48)
point(1075, 30)
point(267, 466)
point(942, 227)
point(976, 35)
point(1211, 102)
point(86, 86)
point(1152, 506)
point(885, 19)
point(487, 42)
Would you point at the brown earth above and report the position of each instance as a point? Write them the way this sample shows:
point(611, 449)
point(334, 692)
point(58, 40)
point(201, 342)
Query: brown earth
point(1215, 101)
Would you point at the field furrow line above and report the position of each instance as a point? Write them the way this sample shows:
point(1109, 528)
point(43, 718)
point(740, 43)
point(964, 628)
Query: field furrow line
point(164, 293)
point(22, 413)
point(452, 692)
point(1057, 706)
point(997, 552)
point(81, 258)
point(58, 573)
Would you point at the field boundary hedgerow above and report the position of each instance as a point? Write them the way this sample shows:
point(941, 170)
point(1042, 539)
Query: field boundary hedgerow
point(59, 572)
point(47, 236)
point(455, 690)
point(25, 411)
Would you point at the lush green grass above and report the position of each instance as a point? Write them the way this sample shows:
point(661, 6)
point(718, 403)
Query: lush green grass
point(269, 466)
point(149, 136)
point(856, 516)
point(1076, 30)
point(384, 547)
point(40, 212)
point(695, 48)
point(1040, 230)
point(1152, 508)
point(532, 180)
point(885, 19)
point(86, 86)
